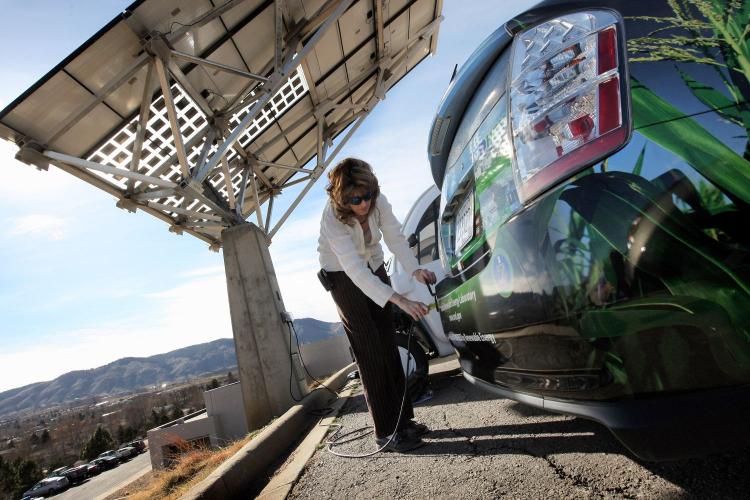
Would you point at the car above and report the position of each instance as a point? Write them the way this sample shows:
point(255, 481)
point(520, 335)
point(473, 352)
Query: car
point(76, 475)
point(594, 173)
point(94, 468)
point(106, 462)
point(138, 444)
point(57, 472)
point(126, 453)
point(48, 486)
point(108, 453)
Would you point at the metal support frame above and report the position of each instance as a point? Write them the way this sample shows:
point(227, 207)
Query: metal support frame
point(214, 65)
point(228, 183)
point(203, 19)
point(273, 86)
point(172, 115)
point(142, 126)
point(87, 164)
point(183, 211)
point(243, 187)
point(279, 165)
point(163, 66)
point(256, 200)
point(153, 195)
point(322, 163)
point(269, 210)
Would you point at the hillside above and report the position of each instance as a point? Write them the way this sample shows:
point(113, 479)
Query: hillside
point(130, 374)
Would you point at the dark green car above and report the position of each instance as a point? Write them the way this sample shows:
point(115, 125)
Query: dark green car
point(594, 168)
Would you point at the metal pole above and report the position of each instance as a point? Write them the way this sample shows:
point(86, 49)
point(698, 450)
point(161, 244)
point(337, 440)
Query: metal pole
point(172, 115)
point(184, 211)
point(256, 199)
point(87, 164)
point(140, 132)
point(228, 182)
point(222, 67)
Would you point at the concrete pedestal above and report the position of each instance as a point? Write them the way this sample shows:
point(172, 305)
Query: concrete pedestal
point(261, 337)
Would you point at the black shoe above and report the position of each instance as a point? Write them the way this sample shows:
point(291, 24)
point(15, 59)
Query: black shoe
point(401, 442)
point(415, 429)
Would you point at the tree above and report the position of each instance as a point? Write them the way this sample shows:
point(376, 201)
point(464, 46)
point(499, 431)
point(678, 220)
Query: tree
point(45, 436)
point(99, 442)
point(125, 434)
point(177, 413)
point(18, 476)
point(230, 378)
point(34, 439)
point(214, 384)
point(27, 474)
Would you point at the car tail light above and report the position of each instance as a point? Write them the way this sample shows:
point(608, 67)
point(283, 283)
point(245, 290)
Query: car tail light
point(568, 97)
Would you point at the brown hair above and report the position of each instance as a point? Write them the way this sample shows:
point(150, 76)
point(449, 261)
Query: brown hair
point(348, 176)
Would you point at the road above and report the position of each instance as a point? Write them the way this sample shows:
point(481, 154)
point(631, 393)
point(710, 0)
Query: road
point(109, 480)
point(484, 447)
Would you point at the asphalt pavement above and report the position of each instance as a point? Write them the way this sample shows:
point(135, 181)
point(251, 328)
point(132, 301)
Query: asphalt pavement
point(485, 447)
point(109, 481)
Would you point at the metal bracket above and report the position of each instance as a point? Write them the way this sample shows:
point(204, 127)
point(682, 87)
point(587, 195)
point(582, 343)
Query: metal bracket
point(126, 204)
point(31, 154)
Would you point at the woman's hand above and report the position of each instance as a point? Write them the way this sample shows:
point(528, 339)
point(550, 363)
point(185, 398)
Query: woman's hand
point(413, 308)
point(425, 276)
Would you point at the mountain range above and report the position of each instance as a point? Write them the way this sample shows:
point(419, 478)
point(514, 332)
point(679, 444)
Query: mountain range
point(131, 374)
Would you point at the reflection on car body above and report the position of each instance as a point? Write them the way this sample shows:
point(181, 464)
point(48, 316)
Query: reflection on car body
point(604, 271)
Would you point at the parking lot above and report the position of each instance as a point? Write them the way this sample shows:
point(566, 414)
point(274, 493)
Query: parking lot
point(484, 447)
point(108, 481)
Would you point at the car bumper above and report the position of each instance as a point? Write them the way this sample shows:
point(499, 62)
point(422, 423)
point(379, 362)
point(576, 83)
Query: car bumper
point(659, 428)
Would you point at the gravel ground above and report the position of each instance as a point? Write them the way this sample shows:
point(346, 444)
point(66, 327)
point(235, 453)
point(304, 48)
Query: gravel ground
point(484, 447)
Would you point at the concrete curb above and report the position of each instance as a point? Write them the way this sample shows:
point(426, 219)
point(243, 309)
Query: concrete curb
point(238, 473)
point(284, 479)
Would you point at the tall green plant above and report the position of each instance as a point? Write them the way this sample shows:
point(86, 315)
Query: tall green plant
point(698, 32)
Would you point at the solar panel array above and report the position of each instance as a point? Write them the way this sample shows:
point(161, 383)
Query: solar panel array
point(308, 70)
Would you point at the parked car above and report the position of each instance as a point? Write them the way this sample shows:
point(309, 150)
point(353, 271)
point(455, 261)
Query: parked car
point(48, 486)
point(106, 462)
point(594, 170)
point(126, 453)
point(57, 472)
point(138, 444)
point(94, 468)
point(428, 340)
point(76, 475)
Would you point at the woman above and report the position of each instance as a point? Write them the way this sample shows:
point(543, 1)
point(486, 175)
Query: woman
point(353, 221)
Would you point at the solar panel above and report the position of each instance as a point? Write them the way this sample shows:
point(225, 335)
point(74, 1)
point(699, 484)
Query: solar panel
point(201, 112)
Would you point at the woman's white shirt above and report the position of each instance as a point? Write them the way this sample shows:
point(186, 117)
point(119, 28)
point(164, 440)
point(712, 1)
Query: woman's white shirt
point(342, 247)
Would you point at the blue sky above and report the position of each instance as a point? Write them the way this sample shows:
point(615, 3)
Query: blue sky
point(83, 283)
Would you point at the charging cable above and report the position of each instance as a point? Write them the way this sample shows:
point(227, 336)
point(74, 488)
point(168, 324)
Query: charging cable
point(337, 439)
point(287, 318)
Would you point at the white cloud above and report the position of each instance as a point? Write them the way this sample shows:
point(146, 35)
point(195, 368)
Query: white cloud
point(24, 183)
point(194, 312)
point(204, 271)
point(39, 226)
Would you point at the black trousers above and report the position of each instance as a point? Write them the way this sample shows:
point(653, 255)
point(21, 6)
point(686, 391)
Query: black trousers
point(370, 330)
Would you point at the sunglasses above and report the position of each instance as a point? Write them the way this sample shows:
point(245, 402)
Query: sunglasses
point(356, 200)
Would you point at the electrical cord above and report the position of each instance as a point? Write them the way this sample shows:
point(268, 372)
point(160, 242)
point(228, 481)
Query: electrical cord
point(290, 323)
point(318, 412)
point(336, 439)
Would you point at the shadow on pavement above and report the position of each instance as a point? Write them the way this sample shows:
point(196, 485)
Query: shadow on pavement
point(716, 476)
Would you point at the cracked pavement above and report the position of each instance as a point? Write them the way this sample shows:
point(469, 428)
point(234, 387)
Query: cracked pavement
point(481, 446)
